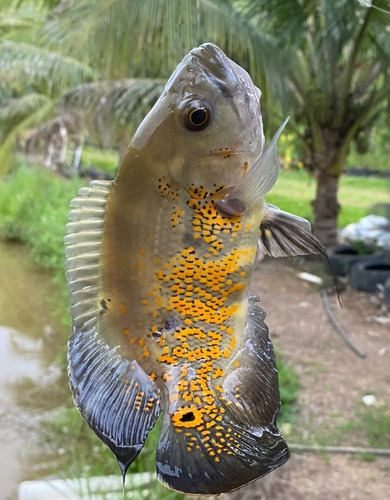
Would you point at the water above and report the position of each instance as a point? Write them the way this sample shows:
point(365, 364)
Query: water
point(29, 333)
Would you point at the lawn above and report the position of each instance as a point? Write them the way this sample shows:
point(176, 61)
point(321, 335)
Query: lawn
point(294, 191)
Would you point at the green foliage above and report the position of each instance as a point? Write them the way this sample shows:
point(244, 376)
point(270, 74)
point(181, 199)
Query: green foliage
point(377, 155)
point(33, 208)
point(289, 387)
point(102, 159)
point(137, 38)
point(294, 191)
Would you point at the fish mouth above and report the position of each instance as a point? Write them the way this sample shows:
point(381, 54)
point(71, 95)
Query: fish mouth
point(217, 65)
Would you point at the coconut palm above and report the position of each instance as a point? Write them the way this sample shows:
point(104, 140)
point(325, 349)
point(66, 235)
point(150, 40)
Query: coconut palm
point(323, 61)
point(106, 61)
point(337, 69)
point(32, 77)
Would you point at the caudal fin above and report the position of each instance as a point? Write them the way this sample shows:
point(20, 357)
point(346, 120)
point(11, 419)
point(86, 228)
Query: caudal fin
point(218, 447)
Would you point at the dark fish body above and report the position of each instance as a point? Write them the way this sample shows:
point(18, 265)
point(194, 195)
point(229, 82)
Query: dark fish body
point(159, 266)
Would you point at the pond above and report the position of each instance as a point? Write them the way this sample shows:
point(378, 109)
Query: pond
point(29, 336)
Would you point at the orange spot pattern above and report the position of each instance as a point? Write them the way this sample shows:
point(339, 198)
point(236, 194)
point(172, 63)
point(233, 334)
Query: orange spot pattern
point(201, 286)
point(200, 290)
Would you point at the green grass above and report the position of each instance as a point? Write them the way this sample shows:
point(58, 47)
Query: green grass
point(368, 426)
point(373, 422)
point(294, 191)
point(289, 388)
point(106, 159)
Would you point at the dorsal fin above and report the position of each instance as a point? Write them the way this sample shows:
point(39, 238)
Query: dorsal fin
point(84, 241)
point(114, 395)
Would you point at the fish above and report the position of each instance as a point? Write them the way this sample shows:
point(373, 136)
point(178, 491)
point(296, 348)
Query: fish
point(159, 264)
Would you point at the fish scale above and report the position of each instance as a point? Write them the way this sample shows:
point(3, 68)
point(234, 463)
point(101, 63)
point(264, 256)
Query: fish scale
point(159, 266)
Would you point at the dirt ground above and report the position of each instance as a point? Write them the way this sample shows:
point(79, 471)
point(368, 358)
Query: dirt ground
point(333, 381)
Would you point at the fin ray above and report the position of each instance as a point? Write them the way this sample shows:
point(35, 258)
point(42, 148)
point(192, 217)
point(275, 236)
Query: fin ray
point(115, 396)
point(241, 442)
point(283, 234)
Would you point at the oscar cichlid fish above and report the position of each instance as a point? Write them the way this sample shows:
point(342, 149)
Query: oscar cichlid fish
point(159, 265)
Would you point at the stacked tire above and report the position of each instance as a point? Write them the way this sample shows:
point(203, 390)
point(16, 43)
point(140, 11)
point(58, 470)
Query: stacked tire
point(364, 272)
point(367, 275)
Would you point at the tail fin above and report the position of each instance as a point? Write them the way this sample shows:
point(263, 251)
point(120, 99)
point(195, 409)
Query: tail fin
point(221, 446)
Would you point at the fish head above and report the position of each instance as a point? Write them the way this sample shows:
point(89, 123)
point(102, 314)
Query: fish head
point(206, 128)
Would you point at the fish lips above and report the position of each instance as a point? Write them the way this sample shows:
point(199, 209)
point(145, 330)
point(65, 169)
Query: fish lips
point(217, 66)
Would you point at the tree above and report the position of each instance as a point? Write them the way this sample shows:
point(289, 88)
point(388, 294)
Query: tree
point(337, 69)
point(106, 61)
point(32, 77)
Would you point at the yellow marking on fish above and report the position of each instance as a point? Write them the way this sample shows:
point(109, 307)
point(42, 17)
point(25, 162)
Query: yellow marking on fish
point(177, 217)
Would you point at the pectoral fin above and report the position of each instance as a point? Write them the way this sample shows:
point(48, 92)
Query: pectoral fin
point(283, 234)
point(256, 183)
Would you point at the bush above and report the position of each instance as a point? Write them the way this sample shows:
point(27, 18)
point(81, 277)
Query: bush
point(33, 209)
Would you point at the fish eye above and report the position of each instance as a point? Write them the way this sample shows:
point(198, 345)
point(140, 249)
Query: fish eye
point(196, 115)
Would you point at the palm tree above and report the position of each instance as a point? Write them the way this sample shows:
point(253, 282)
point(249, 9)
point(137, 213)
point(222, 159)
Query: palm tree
point(337, 69)
point(105, 61)
point(326, 62)
point(32, 77)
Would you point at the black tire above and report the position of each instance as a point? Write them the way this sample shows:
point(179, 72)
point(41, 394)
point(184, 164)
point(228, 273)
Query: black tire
point(366, 275)
point(342, 257)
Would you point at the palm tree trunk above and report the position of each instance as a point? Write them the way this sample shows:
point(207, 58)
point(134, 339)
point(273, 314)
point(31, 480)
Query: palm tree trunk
point(326, 207)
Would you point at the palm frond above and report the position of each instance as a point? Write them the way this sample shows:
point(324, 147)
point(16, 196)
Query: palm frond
point(13, 111)
point(110, 107)
point(10, 23)
point(28, 66)
point(147, 39)
point(39, 116)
